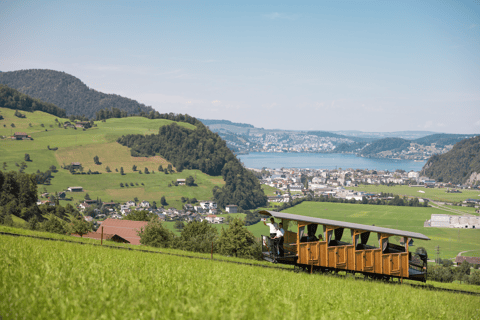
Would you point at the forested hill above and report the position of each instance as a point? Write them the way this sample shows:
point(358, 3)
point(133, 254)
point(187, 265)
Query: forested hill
point(442, 139)
point(13, 99)
point(67, 92)
point(387, 144)
point(204, 150)
point(225, 122)
point(458, 165)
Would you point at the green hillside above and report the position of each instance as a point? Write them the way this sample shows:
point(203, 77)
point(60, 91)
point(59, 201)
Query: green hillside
point(457, 165)
point(451, 241)
point(67, 92)
point(58, 280)
point(81, 146)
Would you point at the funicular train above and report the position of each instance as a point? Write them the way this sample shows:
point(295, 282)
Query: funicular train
point(317, 246)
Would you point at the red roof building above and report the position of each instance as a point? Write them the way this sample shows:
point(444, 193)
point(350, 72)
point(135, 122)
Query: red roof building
point(98, 236)
point(126, 229)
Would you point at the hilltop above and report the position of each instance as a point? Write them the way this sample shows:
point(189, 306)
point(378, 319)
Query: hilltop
point(67, 92)
point(459, 165)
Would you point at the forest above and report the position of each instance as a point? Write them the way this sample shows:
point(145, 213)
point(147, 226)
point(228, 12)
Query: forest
point(203, 150)
point(13, 99)
point(67, 92)
point(456, 165)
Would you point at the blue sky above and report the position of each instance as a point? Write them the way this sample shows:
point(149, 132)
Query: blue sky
point(320, 65)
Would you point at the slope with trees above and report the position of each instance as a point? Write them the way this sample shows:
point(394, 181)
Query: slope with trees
point(204, 150)
point(67, 92)
point(457, 165)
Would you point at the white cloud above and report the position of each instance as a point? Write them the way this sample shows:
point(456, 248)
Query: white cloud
point(477, 123)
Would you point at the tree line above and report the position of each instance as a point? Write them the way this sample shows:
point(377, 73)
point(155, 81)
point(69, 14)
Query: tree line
point(203, 150)
point(13, 99)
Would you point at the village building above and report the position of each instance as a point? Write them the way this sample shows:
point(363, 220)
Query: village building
point(126, 229)
point(21, 136)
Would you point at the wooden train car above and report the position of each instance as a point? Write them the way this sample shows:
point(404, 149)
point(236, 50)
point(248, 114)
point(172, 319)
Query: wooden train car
point(324, 249)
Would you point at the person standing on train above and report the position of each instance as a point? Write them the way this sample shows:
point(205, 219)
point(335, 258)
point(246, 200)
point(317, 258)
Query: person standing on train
point(273, 227)
point(279, 240)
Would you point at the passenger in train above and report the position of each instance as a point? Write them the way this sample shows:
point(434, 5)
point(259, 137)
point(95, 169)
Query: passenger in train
point(279, 240)
point(273, 227)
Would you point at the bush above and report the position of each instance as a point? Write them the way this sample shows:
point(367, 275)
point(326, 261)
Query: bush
point(198, 237)
point(154, 234)
point(238, 241)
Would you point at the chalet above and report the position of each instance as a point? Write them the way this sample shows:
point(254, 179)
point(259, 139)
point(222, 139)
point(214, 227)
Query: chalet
point(88, 218)
point(20, 136)
point(231, 208)
point(206, 205)
point(181, 182)
point(109, 204)
point(90, 202)
point(214, 219)
point(76, 165)
point(62, 195)
point(126, 229)
point(198, 209)
point(83, 206)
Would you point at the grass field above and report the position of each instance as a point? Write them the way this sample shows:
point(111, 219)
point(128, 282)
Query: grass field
point(81, 146)
point(430, 193)
point(51, 280)
point(451, 241)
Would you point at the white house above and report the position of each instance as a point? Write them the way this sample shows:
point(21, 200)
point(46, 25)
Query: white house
point(145, 204)
point(207, 205)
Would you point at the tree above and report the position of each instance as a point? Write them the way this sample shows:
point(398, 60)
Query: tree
point(33, 223)
point(87, 196)
point(134, 168)
point(27, 157)
point(108, 169)
point(146, 170)
point(135, 199)
point(12, 125)
point(163, 201)
point(165, 171)
point(238, 241)
point(154, 234)
point(121, 185)
point(4, 166)
point(179, 225)
point(142, 215)
point(121, 171)
point(198, 237)
point(190, 181)
point(160, 168)
point(96, 160)
point(55, 225)
point(80, 227)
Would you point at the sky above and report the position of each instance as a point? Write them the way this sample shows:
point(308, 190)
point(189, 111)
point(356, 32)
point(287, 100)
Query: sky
point(375, 66)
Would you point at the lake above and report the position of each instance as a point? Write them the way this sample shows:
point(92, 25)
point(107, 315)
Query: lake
point(272, 160)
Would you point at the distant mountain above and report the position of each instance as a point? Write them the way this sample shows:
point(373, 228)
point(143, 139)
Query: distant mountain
point(459, 165)
point(407, 135)
point(225, 122)
point(67, 92)
point(443, 139)
point(387, 144)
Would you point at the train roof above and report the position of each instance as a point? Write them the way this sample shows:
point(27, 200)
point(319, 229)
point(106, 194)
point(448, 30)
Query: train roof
point(296, 217)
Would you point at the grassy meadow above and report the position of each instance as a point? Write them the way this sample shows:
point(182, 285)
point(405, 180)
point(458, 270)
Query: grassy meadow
point(435, 194)
point(82, 146)
point(451, 241)
point(51, 280)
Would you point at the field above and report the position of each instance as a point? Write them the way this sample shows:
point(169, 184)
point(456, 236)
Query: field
point(451, 241)
point(81, 146)
point(430, 193)
point(51, 280)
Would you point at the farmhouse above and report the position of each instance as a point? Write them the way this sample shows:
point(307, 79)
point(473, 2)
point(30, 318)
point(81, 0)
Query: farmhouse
point(75, 189)
point(76, 165)
point(181, 182)
point(472, 260)
point(124, 228)
point(20, 136)
point(98, 236)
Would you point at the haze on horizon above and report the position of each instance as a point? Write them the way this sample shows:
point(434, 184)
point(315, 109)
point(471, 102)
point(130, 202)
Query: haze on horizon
point(320, 65)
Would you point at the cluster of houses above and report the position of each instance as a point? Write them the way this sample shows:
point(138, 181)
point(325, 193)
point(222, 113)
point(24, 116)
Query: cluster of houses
point(290, 179)
point(205, 210)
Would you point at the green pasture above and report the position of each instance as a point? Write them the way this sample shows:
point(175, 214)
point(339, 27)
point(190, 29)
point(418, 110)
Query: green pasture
point(57, 280)
point(269, 191)
point(473, 253)
point(451, 241)
point(82, 146)
point(435, 194)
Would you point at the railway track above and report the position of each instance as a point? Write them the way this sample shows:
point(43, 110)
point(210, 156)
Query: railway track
point(275, 266)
